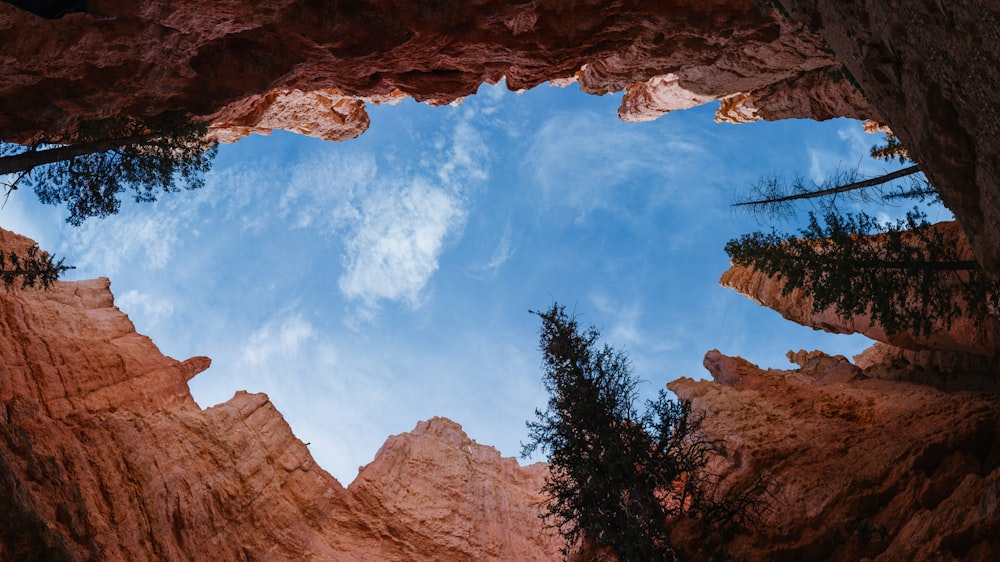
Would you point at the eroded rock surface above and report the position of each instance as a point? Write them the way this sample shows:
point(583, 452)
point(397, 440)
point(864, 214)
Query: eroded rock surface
point(253, 67)
point(931, 69)
point(861, 468)
point(104, 455)
point(964, 335)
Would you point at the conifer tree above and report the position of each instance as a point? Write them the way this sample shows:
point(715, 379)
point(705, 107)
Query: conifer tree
point(104, 159)
point(617, 475)
point(33, 268)
point(905, 275)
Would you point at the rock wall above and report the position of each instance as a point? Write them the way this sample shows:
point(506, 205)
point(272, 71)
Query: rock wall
point(861, 468)
point(932, 69)
point(963, 336)
point(308, 66)
point(104, 455)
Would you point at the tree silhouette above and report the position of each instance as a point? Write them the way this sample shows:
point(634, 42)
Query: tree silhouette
point(617, 475)
point(905, 275)
point(103, 159)
point(774, 196)
point(34, 267)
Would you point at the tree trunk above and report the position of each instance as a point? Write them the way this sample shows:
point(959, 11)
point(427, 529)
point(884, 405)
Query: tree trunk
point(839, 189)
point(29, 160)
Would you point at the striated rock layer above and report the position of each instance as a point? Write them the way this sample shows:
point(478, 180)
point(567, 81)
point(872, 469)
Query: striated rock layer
point(861, 468)
point(963, 336)
point(306, 66)
point(104, 455)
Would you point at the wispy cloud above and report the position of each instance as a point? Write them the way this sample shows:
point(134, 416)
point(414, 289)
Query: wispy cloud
point(581, 163)
point(141, 237)
point(151, 308)
point(393, 248)
point(281, 337)
point(504, 251)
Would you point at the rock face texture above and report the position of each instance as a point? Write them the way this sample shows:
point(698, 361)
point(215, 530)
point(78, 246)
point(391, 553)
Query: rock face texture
point(932, 69)
point(254, 67)
point(964, 335)
point(104, 455)
point(861, 468)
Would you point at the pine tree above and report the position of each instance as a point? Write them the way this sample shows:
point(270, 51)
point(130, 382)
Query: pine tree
point(773, 195)
point(34, 267)
point(905, 275)
point(104, 159)
point(616, 474)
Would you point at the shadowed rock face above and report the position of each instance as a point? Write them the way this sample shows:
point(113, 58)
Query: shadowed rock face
point(932, 70)
point(242, 65)
point(861, 468)
point(104, 455)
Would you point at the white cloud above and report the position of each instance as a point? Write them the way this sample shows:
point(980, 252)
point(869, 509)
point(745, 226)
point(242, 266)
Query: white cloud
point(581, 163)
point(466, 158)
point(394, 248)
point(504, 251)
point(322, 190)
point(283, 336)
point(625, 331)
point(150, 308)
point(104, 247)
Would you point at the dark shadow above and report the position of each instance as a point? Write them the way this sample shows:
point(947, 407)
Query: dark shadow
point(50, 9)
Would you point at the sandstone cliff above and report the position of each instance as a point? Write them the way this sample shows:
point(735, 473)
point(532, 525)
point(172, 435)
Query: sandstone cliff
point(861, 468)
point(964, 354)
point(104, 455)
point(308, 66)
point(931, 69)
point(964, 335)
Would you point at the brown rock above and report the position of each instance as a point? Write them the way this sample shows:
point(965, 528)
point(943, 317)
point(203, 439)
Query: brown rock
point(861, 468)
point(104, 455)
point(964, 335)
point(932, 70)
point(819, 94)
point(252, 68)
point(325, 114)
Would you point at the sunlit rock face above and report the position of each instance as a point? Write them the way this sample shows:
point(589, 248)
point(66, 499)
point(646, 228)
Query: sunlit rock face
point(964, 335)
point(861, 468)
point(253, 67)
point(932, 69)
point(104, 455)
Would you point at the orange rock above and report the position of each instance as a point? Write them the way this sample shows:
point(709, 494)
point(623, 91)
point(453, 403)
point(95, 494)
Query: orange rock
point(964, 335)
point(105, 455)
point(860, 467)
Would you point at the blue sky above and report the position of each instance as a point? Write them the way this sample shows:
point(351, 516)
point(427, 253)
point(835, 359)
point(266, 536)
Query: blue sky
point(370, 284)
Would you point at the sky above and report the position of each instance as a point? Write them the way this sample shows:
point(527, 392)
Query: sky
point(370, 284)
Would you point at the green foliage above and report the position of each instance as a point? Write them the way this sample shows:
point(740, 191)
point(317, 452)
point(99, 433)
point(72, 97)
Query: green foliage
point(33, 268)
point(617, 474)
point(892, 149)
point(116, 156)
point(906, 279)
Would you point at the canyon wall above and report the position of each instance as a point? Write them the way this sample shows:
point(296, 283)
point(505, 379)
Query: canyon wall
point(931, 69)
point(311, 66)
point(104, 455)
point(964, 353)
point(860, 468)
